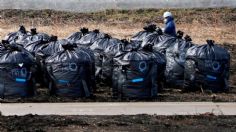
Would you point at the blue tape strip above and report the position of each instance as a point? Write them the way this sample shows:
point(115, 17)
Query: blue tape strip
point(137, 80)
point(63, 81)
point(20, 80)
point(211, 77)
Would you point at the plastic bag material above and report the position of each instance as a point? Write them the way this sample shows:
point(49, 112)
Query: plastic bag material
point(107, 62)
point(88, 39)
point(102, 49)
point(45, 51)
point(52, 48)
point(134, 75)
point(103, 43)
point(207, 67)
point(17, 37)
point(29, 40)
point(57, 46)
point(140, 36)
point(17, 78)
point(35, 41)
point(160, 41)
point(3, 48)
point(70, 72)
point(110, 52)
point(128, 46)
point(90, 54)
point(175, 56)
point(34, 36)
point(160, 59)
point(75, 37)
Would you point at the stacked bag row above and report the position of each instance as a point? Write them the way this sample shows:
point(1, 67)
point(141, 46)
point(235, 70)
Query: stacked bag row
point(193, 67)
point(207, 67)
point(30, 58)
point(134, 69)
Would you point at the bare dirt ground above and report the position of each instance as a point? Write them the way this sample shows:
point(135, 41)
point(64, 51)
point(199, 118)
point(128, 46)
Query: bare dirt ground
point(201, 24)
point(206, 122)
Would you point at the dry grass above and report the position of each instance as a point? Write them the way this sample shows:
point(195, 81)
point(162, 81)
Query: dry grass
point(200, 24)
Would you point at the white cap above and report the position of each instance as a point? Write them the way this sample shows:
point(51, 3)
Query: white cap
point(167, 14)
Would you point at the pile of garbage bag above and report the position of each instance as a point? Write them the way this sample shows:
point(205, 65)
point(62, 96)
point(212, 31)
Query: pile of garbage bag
point(17, 67)
point(70, 72)
point(104, 50)
point(137, 68)
point(135, 75)
point(207, 67)
point(175, 58)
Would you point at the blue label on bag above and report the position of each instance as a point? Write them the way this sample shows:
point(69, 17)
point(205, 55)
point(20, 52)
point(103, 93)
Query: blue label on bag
point(20, 80)
point(211, 77)
point(63, 81)
point(65, 67)
point(137, 80)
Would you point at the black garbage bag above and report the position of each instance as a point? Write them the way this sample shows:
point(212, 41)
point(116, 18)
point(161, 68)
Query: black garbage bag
point(35, 41)
point(17, 67)
point(17, 37)
point(52, 48)
point(154, 38)
point(92, 68)
point(103, 43)
point(26, 39)
point(207, 67)
point(36, 47)
point(34, 36)
point(3, 47)
point(108, 55)
point(75, 37)
point(161, 41)
point(140, 36)
point(56, 46)
point(134, 75)
point(70, 72)
point(104, 51)
point(175, 56)
point(91, 57)
point(161, 61)
point(107, 62)
point(46, 51)
point(130, 45)
point(88, 39)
